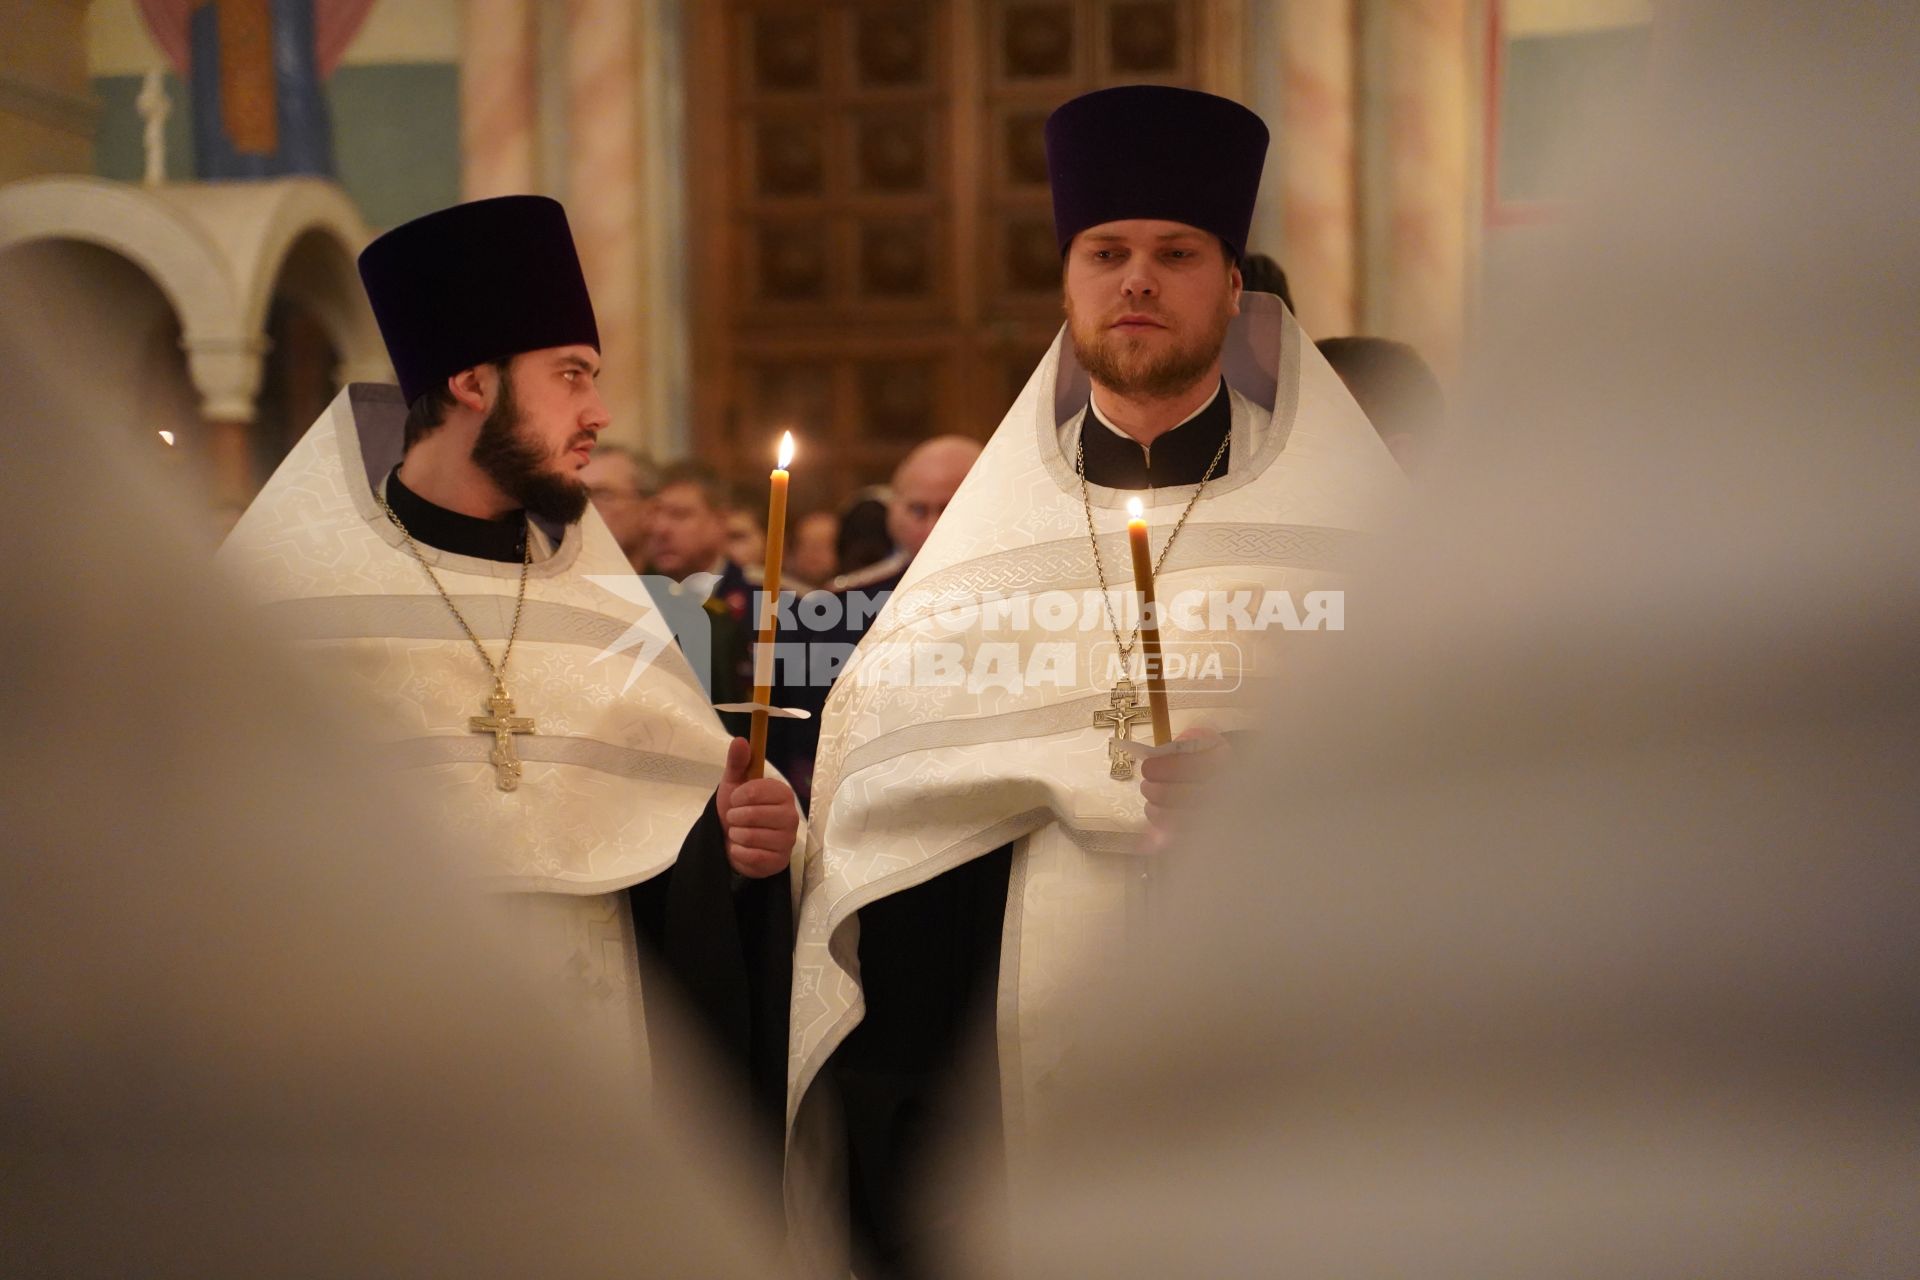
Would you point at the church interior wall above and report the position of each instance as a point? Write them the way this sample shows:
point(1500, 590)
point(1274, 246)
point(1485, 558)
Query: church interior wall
point(585, 102)
point(47, 115)
point(1564, 70)
point(1415, 141)
point(308, 326)
point(394, 101)
point(1562, 77)
point(134, 364)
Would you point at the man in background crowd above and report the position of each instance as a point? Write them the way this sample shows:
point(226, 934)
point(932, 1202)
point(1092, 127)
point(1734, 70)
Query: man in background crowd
point(622, 483)
point(1261, 274)
point(747, 533)
point(923, 484)
point(688, 536)
point(862, 539)
point(812, 554)
point(1395, 389)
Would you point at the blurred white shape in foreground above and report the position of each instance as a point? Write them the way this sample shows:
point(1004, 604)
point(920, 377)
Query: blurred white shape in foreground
point(1565, 924)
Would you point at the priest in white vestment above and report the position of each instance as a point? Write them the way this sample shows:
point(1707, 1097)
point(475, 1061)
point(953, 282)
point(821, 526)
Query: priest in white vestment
point(432, 548)
point(980, 834)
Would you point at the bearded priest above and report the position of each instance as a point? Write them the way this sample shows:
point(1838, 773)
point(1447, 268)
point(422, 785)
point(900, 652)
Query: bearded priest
point(431, 547)
point(979, 830)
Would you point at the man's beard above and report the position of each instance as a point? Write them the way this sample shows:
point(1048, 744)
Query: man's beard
point(521, 468)
point(1134, 369)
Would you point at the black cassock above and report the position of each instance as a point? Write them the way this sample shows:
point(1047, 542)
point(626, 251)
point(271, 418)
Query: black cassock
point(724, 942)
point(930, 965)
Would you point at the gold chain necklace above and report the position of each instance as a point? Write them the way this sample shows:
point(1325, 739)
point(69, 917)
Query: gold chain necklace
point(1123, 704)
point(500, 720)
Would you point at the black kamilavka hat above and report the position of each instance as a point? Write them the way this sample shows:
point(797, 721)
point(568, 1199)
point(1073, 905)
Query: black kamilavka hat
point(476, 282)
point(1150, 151)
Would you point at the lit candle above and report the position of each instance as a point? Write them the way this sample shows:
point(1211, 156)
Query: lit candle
point(769, 612)
point(1149, 624)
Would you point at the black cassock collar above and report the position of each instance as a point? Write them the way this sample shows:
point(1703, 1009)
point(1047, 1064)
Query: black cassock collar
point(503, 539)
point(1176, 458)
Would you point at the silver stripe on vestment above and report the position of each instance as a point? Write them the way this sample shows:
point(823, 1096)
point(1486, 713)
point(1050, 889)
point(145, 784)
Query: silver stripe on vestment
point(1033, 722)
point(584, 753)
point(1065, 564)
point(425, 617)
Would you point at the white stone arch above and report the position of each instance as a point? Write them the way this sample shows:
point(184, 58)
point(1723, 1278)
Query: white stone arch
point(313, 223)
point(178, 256)
point(216, 250)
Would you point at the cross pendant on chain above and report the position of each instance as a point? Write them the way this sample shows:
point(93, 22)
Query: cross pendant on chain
point(502, 724)
point(1122, 709)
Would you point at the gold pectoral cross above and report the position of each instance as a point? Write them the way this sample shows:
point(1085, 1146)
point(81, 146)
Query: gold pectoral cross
point(1122, 709)
point(502, 724)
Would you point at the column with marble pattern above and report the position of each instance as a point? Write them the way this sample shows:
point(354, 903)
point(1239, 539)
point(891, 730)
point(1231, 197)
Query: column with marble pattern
point(1426, 52)
point(607, 202)
point(1318, 187)
point(498, 99)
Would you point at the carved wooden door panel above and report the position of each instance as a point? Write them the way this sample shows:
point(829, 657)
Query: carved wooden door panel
point(873, 239)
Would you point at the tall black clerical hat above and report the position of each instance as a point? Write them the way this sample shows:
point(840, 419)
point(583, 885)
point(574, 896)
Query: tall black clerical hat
point(473, 283)
point(1150, 151)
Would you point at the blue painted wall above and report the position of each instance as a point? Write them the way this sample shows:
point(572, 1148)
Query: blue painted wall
point(1556, 89)
point(396, 136)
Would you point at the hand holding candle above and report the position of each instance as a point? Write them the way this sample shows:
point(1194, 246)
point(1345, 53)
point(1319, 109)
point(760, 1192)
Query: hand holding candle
point(1149, 624)
point(769, 606)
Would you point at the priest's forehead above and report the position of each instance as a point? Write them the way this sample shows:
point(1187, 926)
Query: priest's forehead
point(577, 356)
point(1155, 231)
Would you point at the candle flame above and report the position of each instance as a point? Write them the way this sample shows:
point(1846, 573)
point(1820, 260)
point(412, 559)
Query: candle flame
point(1134, 510)
point(786, 449)
point(167, 436)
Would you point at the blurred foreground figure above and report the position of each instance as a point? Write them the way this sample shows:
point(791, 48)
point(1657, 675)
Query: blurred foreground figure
point(1568, 927)
point(255, 1022)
